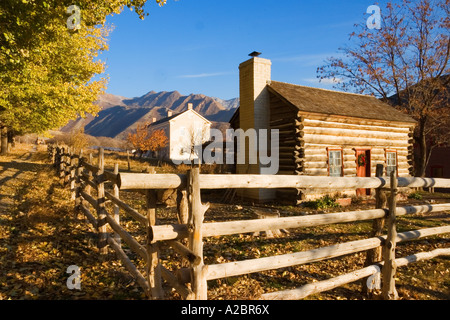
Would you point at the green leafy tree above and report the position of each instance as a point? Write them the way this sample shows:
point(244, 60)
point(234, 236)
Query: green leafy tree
point(49, 71)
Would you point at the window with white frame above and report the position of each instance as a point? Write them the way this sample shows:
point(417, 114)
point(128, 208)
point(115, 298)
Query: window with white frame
point(335, 163)
point(391, 162)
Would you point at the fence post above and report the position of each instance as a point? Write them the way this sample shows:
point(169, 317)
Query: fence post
point(72, 175)
point(78, 173)
point(101, 204)
point(53, 150)
point(90, 177)
point(376, 255)
point(128, 161)
point(67, 164)
point(62, 163)
point(389, 268)
point(116, 209)
point(196, 215)
point(153, 264)
point(57, 158)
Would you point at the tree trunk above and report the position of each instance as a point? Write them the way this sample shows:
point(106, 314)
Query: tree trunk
point(422, 143)
point(4, 141)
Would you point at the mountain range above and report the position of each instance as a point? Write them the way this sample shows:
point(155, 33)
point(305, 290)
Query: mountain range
point(120, 115)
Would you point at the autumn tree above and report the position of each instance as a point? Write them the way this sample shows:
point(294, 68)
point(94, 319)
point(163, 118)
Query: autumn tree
point(143, 140)
point(78, 140)
point(49, 60)
point(405, 63)
point(158, 141)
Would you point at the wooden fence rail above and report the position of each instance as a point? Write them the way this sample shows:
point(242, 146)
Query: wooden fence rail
point(187, 237)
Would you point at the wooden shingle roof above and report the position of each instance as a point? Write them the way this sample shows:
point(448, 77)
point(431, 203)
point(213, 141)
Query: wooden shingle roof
point(329, 102)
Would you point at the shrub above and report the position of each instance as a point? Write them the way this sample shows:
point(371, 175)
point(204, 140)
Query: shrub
point(415, 195)
point(322, 203)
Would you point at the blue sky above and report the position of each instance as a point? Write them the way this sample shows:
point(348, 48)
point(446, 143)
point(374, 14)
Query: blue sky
point(196, 46)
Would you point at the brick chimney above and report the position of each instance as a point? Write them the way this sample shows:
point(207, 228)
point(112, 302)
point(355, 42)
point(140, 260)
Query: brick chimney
point(254, 75)
point(254, 97)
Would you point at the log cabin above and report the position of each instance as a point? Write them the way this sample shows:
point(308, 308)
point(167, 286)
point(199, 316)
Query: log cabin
point(321, 132)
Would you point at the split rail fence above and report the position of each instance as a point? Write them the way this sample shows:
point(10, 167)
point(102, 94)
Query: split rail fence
point(186, 237)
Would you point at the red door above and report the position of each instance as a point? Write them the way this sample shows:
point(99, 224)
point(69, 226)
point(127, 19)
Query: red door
point(363, 169)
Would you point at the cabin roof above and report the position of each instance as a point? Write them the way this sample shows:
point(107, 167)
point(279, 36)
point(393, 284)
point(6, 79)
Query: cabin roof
point(177, 115)
point(330, 102)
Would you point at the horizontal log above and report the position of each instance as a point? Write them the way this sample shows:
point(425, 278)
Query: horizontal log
point(89, 215)
point(350, 149)
point(283, 126)
point(345, 125)
point(329, 284)
point(132, 243)
point(278, 121)
point(341, 132)
point(217, 271)
point(89, 166)
point(184, 251)
point(128, 181)
point(280, 172)
point(218, 181)
point(317, 287)
point(128, 210)
point(354, 141)
point(354, 120)
point(89, 199)
point(128, 264)
point(289, 162)
point(86, 180)
point(184, 291)
point(213, 229)
point(168, 232)
point(110, 176)
point(316, 171)
point(315, 164)
point(288, 149)
point(225, 181)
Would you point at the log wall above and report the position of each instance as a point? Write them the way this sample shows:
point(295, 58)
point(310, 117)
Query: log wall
point(306, 138)
point(350, 136)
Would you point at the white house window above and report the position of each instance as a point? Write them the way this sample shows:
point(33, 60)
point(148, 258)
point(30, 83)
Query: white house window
point(391, 162)
point(335, 163)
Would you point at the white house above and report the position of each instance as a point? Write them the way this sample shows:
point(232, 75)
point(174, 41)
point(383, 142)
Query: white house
point(186, 131)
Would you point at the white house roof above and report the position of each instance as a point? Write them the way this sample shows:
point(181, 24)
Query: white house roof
point(179, 114)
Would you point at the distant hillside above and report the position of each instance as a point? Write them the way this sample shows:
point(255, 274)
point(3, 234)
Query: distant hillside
point(120, 115)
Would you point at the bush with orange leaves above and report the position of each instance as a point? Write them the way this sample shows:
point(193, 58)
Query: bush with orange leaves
point(144, 140)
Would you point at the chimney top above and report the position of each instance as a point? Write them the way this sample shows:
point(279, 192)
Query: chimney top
point(255, 54)
point(154, 120)
point(169, 113)
point(190, 106)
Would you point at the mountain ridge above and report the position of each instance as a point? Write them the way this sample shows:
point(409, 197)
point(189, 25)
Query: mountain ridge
point(119, 115)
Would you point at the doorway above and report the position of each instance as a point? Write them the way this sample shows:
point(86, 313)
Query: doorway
point(363, 169)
